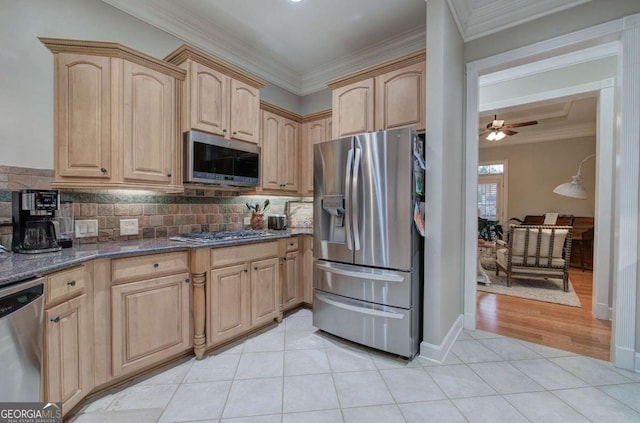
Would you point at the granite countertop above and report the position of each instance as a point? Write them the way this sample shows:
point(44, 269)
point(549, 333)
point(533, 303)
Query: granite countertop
point(15, 267)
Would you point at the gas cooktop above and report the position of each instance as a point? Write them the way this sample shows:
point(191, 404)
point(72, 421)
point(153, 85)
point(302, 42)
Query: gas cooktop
point(221, 235)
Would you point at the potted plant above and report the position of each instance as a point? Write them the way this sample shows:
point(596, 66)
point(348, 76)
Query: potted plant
point(489, 230)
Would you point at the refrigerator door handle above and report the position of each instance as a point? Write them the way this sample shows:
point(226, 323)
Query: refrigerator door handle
point(378, 276)
point(347, 197)
point(355, 208)
point(378, 313)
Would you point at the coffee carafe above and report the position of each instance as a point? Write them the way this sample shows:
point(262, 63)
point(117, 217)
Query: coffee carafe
point(33, 228)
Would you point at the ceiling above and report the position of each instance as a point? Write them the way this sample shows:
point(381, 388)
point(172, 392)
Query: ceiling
point(301, 46)
point(557, 120)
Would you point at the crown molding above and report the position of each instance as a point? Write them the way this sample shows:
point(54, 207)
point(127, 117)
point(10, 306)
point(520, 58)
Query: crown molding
point(478, 19)
point(194, 30)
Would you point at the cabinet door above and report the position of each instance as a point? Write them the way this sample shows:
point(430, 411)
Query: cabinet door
point(400, 98)
point(291, 295)
point(245, 112)
point(353, 107)
point(228, 303)
point(82, 133)
point(306, 274)
point(288, 154)
point(68, 353)
point(264, 291)
point(150, 322)
point(313, 133)
point(328, 125)
point(149, 121)
point(209, 99)
point(271, 124)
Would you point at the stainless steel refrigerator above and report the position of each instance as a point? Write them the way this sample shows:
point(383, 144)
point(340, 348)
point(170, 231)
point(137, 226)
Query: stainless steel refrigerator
point(367, 251)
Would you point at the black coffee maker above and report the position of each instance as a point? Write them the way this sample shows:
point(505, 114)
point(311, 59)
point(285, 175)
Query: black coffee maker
point(33, 229)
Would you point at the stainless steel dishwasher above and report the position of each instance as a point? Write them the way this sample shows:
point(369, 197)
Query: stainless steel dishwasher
point(21, 326)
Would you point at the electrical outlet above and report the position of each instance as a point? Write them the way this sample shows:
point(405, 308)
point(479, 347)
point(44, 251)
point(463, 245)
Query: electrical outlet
point(86, 228)
point(128, 226)
point(247, 221)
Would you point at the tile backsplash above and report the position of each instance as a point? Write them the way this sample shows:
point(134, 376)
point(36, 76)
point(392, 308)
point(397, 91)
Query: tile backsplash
point(159, 215)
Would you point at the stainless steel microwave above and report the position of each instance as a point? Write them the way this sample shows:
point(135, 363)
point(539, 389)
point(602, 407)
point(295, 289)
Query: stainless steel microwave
point(210, 159)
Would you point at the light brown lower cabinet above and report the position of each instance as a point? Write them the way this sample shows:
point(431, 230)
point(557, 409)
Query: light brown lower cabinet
point(150, 322)
point(228, 291)
point(264, 291)
point(291, 292)
point(306, 277)
point(68, 352)
point(242, 290)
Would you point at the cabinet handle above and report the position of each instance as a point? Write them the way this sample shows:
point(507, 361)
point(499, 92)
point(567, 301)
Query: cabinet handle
point(168, 175)
point(224, 131)
point(103, 170)
point(245, 269)
point(187, 280)
point(291, 244)
point(71, 283)
point(255, 268)
point(56, 319)
point(235, 132)
point(155, 265)
point(284, 258)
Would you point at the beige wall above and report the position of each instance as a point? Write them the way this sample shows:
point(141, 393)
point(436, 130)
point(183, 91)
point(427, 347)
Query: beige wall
point(535, 169)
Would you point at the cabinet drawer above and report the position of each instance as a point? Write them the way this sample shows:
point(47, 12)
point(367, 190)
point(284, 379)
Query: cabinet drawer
point(65, 284)
point(292, 244)
point(147, 266)
point(242, 253)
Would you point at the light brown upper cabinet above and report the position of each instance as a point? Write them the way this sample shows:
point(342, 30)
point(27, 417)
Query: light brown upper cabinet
point(386, 96)
point(279, 154)
point(315, 129)
point(115, 118)
point(218, 98)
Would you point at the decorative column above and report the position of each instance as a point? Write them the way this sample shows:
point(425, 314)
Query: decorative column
point(199, 266)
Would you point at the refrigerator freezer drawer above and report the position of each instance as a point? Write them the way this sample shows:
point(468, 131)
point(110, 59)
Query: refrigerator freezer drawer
point(385, 328)
point(388, 287)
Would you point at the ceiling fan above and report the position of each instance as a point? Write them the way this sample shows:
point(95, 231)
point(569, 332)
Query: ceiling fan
point(497, 130)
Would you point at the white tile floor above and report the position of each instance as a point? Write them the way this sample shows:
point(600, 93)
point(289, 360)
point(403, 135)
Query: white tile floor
point(292, 373)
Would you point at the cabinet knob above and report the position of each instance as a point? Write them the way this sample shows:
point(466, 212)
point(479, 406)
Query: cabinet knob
point(169, 175)
point(103, 170)
point(55, 319)
point(187, 280)
point(71, 283)
point(245, 269)
point(156, 265)
point(224, 131)
point(255, 268)
point(235, 132)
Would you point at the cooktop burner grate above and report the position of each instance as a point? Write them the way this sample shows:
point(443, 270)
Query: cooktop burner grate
point(220, 236)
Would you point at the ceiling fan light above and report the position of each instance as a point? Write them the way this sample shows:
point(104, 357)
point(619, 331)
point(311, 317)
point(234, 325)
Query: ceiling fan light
point(500, 135)
point(491, 136)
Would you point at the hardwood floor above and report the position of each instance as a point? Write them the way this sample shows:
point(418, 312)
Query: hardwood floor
point(568, 328)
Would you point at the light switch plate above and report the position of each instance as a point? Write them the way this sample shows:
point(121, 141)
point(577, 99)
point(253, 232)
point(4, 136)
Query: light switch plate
point(86, 228)
point(128, 226)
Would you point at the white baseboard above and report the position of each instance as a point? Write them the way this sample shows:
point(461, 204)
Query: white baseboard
point(438, 353)
point(625, 358)
point(469, 321)
point(602, 311)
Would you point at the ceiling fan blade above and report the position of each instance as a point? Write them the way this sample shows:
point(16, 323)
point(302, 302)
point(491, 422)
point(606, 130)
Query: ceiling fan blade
point(518, 125)
point(508, 132)
point(483, 133)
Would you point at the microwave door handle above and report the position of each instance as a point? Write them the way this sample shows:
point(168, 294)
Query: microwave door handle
point(347, 196)
point(355, 207)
